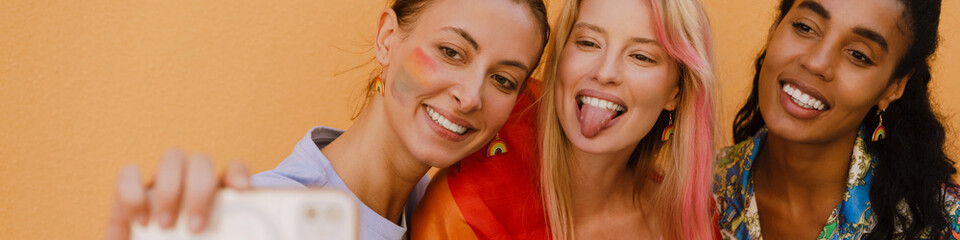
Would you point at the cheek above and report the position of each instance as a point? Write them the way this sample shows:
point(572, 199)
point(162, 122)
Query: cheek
point(653, 88)
point(498, 107)
point(418, 74)
point(859, 93)
point(573, 65)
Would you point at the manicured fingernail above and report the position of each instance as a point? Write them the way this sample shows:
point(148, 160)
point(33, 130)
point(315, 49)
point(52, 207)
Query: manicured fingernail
point(166, 220)
point(195, 223)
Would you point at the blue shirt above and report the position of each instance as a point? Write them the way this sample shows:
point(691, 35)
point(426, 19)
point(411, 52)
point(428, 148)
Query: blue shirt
point(307, 167)
point(852, 218)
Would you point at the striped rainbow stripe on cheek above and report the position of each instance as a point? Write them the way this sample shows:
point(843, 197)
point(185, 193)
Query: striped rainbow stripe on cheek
point(420, 65)
point(417, 68)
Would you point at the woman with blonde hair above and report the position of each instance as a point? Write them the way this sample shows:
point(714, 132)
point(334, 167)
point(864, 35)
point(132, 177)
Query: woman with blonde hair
point(627, 134)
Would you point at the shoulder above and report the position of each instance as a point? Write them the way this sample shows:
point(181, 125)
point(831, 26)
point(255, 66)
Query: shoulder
point(951, 194)
point(734, 161)
point(305, 167)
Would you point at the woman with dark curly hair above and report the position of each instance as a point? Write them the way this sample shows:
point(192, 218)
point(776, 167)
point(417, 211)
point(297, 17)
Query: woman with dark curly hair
point(838, 139)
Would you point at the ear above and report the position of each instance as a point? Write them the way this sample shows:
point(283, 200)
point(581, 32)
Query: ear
point(894, 91)
point(671, 103)
point(387, 28)
point(773, 28)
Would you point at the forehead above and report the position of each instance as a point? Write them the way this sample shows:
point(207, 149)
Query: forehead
point(885, 17)
point(500, 27)
point(627, 17)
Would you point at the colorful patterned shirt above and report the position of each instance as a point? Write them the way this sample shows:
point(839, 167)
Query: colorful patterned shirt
point(851, 219)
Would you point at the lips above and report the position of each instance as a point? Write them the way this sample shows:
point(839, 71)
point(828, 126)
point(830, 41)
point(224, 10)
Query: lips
point(447, 125)
point(597, 111)
point(801, 100)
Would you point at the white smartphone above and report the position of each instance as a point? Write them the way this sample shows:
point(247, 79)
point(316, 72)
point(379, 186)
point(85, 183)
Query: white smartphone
point(268, 214)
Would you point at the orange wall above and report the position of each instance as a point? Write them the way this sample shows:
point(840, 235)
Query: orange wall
point(87, 87)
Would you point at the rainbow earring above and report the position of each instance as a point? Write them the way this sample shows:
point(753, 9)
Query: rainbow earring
point(880, 132)
point(378, 86)
point(668, 131)
point(497, 147)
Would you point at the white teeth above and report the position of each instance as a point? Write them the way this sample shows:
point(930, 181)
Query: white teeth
point(803, 99)
point(439, 119)
point(600, 103)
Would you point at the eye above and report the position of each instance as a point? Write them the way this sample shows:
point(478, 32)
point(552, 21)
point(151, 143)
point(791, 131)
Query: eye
point(860, 56)
point(642, 58)
point(802, 28)
point(450, 53)
point(585, 43)
point(504, 82)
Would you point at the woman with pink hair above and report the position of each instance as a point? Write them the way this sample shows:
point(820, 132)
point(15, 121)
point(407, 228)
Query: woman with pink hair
point(626, 136)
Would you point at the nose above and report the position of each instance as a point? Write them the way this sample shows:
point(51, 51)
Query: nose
point(819, 60)
point(467, 93)
point(608, 70)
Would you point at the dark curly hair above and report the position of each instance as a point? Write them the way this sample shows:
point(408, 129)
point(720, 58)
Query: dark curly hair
point(911, 164)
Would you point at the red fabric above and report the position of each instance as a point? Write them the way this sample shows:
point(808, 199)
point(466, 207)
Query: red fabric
point(499, 195)
point(716, 220)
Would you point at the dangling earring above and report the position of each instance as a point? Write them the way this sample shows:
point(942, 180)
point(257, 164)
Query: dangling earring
point(880, 132)
point(378, 84)
point(668, 131)
point(498, 146)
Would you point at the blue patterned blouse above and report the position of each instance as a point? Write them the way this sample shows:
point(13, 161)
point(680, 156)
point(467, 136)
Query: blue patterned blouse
point(851, 219)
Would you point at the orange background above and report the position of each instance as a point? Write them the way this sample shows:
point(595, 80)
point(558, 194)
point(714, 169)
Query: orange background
point(87, 87)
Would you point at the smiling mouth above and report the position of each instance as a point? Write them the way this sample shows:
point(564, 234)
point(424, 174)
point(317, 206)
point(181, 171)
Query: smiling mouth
point(802, 99)
point(600, 103)
point(446, 123)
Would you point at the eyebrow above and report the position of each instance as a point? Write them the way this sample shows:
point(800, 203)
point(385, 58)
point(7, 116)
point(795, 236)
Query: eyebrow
point(644, 41)
point(600, 30)
point(872, 35)
point(816, 8)
point(595, 28)
point(514, 64)
point(465, 35)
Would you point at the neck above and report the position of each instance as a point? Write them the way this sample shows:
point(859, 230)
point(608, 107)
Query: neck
point(800, 171)
point(600, 179)
point(374, 163)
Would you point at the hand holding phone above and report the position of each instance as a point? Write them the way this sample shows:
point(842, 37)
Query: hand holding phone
point(269, 214)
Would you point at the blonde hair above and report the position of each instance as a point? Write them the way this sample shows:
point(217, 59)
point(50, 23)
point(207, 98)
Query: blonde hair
point(683, 197)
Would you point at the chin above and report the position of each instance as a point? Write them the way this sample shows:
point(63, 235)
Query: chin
point(793, 131)
point(600, 144)
point(438, 158)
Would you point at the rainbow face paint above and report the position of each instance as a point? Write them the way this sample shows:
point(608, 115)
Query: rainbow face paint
point(421, 65)
point(417, 69)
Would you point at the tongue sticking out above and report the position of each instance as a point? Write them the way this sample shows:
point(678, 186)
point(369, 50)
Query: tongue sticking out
point(594, 119)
